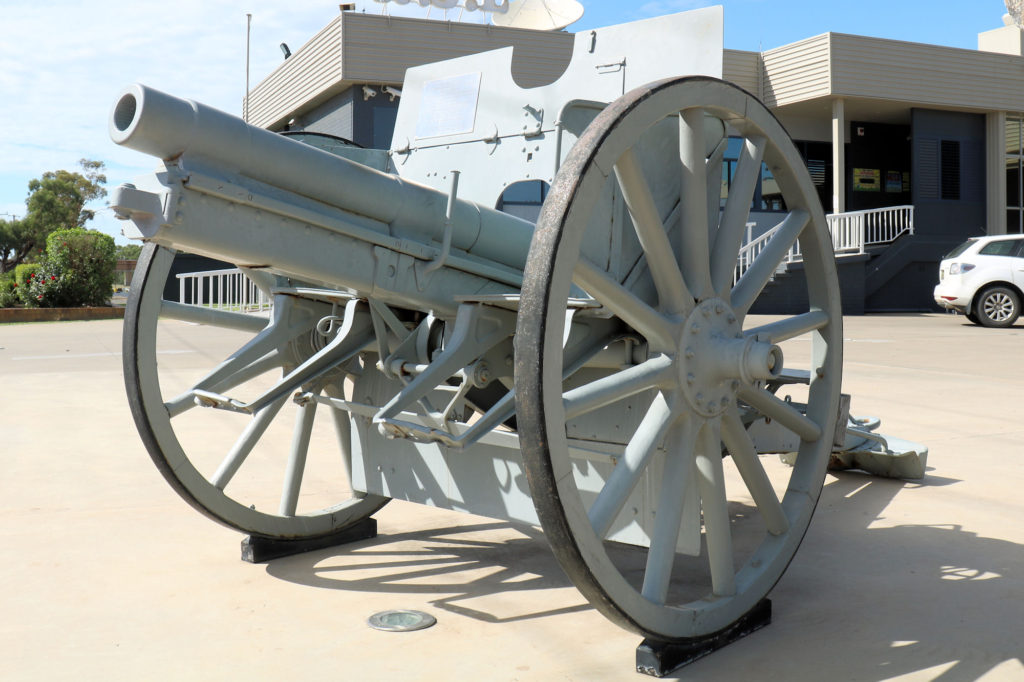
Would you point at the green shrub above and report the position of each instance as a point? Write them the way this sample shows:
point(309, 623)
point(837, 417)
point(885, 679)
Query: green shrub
point(77, 270)
point(8, 291)
point(24, 280)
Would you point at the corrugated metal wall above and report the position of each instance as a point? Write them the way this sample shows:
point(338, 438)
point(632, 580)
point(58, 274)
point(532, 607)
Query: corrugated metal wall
point(797, 72)
point(926, 74)
point(743, 69)
point(310, 74)
point(333, 117)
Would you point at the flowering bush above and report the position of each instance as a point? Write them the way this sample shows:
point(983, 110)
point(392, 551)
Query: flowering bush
point(77, 270)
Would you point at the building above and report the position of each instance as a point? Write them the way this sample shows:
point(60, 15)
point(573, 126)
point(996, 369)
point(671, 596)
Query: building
point(917, 145)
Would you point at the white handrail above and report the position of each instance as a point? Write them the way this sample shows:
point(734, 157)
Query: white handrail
point(877, 225)
point(227, 289)
point(851, 233)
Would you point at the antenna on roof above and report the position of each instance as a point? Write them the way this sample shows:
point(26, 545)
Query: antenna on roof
point(541, 15)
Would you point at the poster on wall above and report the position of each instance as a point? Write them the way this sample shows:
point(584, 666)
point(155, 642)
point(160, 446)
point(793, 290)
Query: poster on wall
point(867, 180)
point(893, 182)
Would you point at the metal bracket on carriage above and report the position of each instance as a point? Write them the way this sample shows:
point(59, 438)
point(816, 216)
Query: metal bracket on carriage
point(352, 332)
point(478, 328)
point(856, 444)
point(591, 341)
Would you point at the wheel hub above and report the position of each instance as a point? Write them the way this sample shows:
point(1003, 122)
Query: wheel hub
point(715, 359)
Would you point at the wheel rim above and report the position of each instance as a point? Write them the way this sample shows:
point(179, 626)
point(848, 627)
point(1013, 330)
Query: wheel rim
point(211, 490)
point(695, 326)
point(998, 306)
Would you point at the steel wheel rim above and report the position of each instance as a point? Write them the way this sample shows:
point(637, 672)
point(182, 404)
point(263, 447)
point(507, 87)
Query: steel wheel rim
point(998, 307)
point(155, 426)
point(547, 285)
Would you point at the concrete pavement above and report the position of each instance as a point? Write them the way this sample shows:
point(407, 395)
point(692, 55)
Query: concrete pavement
point(108, 575)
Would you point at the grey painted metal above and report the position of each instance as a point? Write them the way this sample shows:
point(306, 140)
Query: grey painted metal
point(700, 405)
point(395, 305)
point(165, 430)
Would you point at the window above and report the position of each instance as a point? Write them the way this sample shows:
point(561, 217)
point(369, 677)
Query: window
point(523, 199)
point(950, 169)
point(1014, 160)
point(767, 196)
point(939, 169)
point(1001, 247)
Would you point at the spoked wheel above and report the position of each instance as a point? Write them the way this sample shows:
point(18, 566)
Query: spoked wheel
point(264, 473)
point(722, 523)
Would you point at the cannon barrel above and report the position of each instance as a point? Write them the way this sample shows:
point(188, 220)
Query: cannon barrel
point(176, 129)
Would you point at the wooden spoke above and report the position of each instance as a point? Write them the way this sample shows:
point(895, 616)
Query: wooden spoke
point(791, 327)
point(717, 532)
point(733, 224)
point(186, 400)
point(744, 456)
point(245, 322)
point(297, 458)
point(615, 387)
point(763, 268)
point(624, 303)
point(650, 230)
point(672, 507)
point(714, 174)
point(695, 258)
point(246, 442)
point(630, 466)
point(771, 406)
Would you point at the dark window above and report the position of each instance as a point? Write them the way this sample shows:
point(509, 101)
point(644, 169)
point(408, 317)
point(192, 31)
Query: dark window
point(1000, 247)
point(1014, 220)
point(767, 196)
point(950, 170)
point(523, 199)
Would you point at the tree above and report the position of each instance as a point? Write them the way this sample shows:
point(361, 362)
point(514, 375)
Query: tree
point(56, 201)
point(129, 251)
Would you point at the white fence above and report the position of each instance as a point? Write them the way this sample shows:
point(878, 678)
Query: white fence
point(851, 233)
point(226, 289)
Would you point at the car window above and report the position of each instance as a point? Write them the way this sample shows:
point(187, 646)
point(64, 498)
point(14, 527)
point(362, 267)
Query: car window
point(1019, 253)
point(1000, 247)
point(960, 249)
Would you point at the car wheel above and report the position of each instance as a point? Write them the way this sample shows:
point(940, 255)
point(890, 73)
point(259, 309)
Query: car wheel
point(997, 307)
point(972, 317)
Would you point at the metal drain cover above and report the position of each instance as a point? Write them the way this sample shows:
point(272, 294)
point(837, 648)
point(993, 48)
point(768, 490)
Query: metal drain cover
point(401, 620)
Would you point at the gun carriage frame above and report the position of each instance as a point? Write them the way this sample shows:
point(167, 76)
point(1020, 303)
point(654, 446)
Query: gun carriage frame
point(595, 375)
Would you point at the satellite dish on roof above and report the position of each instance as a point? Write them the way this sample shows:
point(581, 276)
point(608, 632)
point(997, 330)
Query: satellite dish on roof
point(540, 15)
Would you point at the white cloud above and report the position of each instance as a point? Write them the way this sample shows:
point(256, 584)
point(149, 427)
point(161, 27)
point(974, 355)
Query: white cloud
point(62, 63)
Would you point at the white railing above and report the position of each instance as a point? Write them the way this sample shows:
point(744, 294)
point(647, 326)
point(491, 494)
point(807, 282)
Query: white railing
point(226, 289)
point(871, 227)
point(851, 233)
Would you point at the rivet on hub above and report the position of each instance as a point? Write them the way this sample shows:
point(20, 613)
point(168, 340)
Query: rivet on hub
point(689, 353)
point(690, 378)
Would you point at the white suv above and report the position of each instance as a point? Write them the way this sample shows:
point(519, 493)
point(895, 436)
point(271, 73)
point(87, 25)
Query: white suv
point(983, 278)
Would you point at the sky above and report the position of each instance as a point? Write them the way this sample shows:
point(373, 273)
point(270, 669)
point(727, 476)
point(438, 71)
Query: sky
point(63, 62)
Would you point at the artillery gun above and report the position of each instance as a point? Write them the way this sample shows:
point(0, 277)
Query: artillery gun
point(594, 374)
